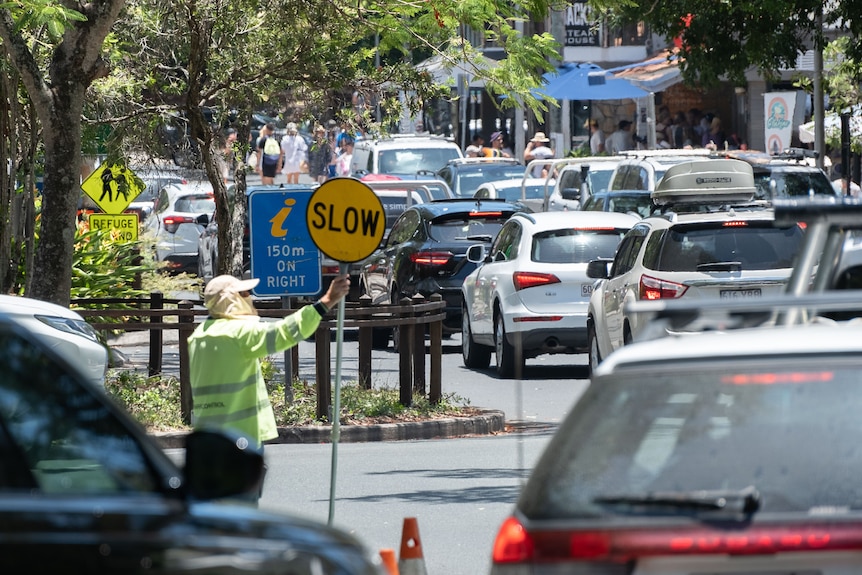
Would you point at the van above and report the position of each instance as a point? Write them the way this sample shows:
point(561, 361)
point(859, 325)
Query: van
point(403, 156)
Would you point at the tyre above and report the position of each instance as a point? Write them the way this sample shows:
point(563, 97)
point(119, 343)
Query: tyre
point(627, 335)
point(476, 355)
point(380, 337)
point(505, 351)
point(595, 357)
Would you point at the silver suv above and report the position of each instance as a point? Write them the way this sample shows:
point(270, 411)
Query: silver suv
point(642, 169)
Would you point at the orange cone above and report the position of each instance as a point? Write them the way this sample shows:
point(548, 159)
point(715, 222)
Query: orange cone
point(411, 561)
point(390, 563)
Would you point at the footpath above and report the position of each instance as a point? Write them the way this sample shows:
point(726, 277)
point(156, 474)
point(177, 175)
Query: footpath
point(131, 351)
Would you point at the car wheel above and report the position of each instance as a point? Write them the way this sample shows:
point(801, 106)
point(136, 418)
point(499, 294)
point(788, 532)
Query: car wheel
point(627, 335)
point(476, 355)
point(595, 356)
point(504, 351)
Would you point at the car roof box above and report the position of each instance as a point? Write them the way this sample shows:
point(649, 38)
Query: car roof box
point(706, 182)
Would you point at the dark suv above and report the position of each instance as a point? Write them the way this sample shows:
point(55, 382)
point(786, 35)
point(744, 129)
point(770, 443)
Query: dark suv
point(790, 174)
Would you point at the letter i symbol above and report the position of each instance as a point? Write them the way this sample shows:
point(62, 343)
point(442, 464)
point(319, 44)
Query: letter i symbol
point(278, 230)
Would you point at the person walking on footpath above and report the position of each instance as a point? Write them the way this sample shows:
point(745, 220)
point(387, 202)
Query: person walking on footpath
point(295, 151)
point(597, 137)
point(319, 156)
point(228, 389)
point(269, 155)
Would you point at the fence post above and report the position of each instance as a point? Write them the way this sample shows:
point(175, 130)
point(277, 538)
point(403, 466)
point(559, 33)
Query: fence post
point(418, 344)
point(155, 362)
point(365, 344)
point(436, 360)
point(405, 352)
point(186, 327)
point(322, 340)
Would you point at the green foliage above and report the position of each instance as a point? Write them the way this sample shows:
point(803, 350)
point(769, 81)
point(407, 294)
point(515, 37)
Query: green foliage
point(102, 267)
point(48, 15)
point(155, 402)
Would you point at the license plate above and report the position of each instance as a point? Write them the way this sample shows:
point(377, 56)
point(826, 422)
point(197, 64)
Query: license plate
point(586, 290)
point(739, 293)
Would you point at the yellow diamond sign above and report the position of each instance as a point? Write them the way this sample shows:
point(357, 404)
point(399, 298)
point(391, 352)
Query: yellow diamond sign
point(113, 187)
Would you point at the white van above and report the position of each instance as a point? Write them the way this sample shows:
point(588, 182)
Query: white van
point(403, 156)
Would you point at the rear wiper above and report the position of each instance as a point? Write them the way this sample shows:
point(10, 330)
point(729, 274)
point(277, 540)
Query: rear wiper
point(720, 267)
point(476, 238)
point(744, 500)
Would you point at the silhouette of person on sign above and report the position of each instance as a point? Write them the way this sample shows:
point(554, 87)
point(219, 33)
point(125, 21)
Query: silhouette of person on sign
point(107, 177)
point(122, 185)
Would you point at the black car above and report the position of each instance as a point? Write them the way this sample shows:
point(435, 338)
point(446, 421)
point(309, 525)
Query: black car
point(425, 252)
point(465, 175)
point(84, 489)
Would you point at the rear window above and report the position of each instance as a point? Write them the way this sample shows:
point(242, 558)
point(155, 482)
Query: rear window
point(791, 182)
point(639, 204)
point(394, 206)
point(466, 228)
point(470, 179)
point(755, 246)
point(787, 427)
point(572, 246)
point(411, 161)
point(195, 204)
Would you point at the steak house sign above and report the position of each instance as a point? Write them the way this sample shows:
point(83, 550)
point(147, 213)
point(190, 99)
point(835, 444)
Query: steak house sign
point(581, 29)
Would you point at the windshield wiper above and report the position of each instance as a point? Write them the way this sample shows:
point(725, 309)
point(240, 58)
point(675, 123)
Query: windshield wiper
point(744, 500)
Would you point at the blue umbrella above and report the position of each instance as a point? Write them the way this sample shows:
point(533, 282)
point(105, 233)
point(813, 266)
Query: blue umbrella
point(588, 82)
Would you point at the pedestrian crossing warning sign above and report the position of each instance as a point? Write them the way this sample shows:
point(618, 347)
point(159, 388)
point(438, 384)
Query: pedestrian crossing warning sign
point(113, 187)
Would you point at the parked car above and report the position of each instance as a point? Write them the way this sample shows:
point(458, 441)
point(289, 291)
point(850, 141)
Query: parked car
point(789, 174)
point(707, 242)
point(180, 215)
point(154, 180)
point(425, 253)
point(528, 192)
point(594, 171)
point(428, 189)
point(720, 453)
point(529, 294)
point(84, 488)
point(403, 156)
point(465, 175)
point(623, 201)
point(61, 329)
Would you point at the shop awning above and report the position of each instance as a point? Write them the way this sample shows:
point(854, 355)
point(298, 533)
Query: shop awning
point(656, 74)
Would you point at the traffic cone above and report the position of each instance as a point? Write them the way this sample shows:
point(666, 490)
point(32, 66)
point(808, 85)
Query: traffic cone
point(390, 563)
point(411, 560)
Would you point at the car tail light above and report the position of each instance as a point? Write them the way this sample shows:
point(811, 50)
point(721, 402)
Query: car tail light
point(329, 270)
point(431, 259)
point(735, 224)
point(485, 214)
point(653, 288)
point(172, 223)
point(516, 545)
point(524, 280)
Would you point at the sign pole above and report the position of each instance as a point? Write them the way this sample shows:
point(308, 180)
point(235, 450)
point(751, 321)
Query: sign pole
point(336, 402)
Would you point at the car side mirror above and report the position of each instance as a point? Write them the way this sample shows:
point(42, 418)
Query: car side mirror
point(203, 219)
point(220, 465)
point(570, 193)
point(599, 269)
point(476, 253)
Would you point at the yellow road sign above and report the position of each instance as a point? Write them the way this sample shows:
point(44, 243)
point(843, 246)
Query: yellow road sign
point(113, 187)
point(122, 227)
point(345, 219)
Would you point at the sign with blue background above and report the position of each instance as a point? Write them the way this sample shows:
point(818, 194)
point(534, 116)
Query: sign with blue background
point(283, 255)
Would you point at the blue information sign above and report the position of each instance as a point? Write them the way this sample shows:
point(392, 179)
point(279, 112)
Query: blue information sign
point(283, 255)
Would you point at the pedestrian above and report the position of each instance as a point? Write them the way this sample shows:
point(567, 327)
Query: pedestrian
point(228, 389)
point(319, 156)
point(295, 152)
point(269, 155)
point(714, 138)
point(682, 136)
point(332, 133)
point(474, 150)
point(621, 140)
point(538, 149)
point(496, 149)
point(228, 156)
point(597, 137)
point(345, 158)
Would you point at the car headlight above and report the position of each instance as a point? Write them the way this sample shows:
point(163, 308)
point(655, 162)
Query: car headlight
point(74, 326)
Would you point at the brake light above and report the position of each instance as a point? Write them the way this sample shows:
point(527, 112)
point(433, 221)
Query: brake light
point(653, 288)
point(431, 259)
point(778, 378)
point(735, 224)
point(172, 223)
point(485, 214)
point(524, 280)
point(514, 544)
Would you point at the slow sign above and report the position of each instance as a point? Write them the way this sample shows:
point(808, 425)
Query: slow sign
point(345, 219)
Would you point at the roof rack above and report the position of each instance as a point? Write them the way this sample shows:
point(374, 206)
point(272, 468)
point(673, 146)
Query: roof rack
point(707, 181)
point(670, 152)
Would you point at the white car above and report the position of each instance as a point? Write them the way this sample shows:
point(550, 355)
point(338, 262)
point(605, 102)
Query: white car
point(530, 192)
point(529, 294)
point(566, 195)
point(706, 240)
point(61, 329)
point(180, 215)
point(406, 156)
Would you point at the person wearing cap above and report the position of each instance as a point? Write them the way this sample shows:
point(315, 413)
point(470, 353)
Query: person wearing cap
point(496, 150)
point(295, 153)
point(228, 389)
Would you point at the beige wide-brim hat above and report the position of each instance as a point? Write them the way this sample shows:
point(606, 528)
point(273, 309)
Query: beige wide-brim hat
point(227, 284)
point(540, 137)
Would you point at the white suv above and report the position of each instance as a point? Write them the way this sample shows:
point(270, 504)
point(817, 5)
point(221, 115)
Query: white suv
point(706, 240)
point(566, 195)
point(403, 156)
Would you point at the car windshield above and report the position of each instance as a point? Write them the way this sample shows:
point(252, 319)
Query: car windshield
point(754, 245)
point(572, 246)
point(469, 179)
point(464, 227)
point(791, 182)
point(411, 161)
point(195, 204)
point(788, 427)
point(599, 180)
point(639, 204)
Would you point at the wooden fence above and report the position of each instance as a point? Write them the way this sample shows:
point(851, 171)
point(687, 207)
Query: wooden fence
point(411, 316)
